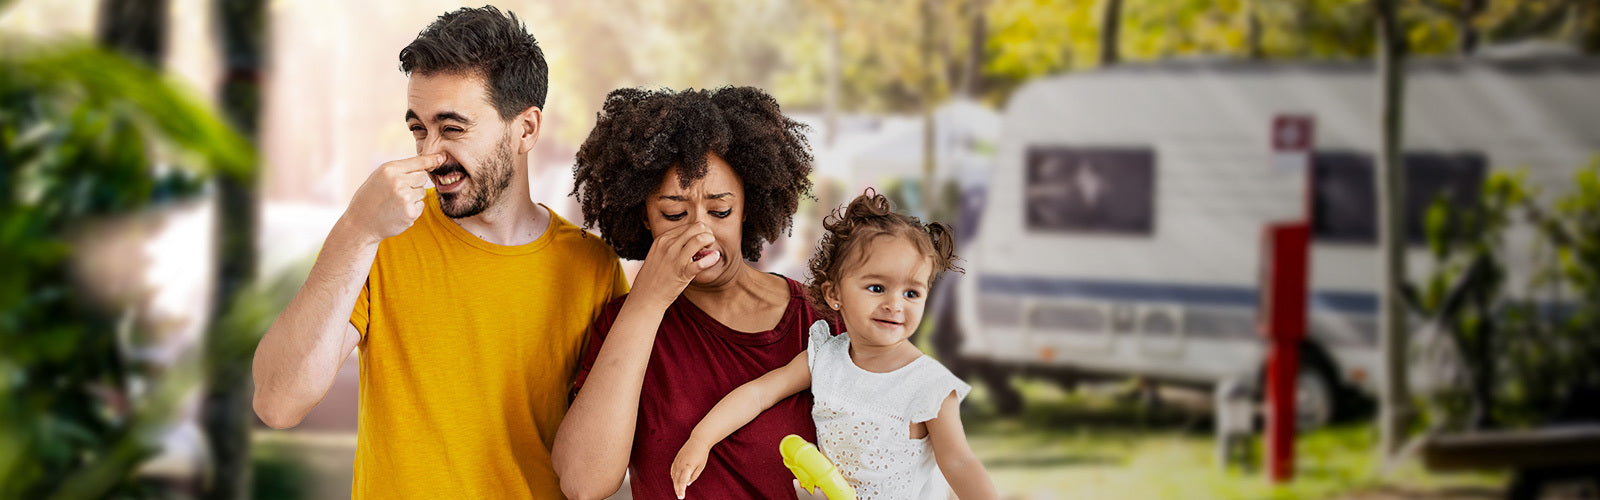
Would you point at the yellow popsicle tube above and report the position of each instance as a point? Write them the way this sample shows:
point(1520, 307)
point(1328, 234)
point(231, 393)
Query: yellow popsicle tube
point(814, 470)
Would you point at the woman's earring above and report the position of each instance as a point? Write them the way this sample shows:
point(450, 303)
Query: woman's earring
point(835, 305)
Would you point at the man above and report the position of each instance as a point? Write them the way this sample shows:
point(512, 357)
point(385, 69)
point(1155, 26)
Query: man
point(469, 302)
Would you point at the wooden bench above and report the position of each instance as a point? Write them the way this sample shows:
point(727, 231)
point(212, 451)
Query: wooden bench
point(1560, 458)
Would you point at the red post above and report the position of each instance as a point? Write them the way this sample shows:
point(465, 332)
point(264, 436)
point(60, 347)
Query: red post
point(1282, 321)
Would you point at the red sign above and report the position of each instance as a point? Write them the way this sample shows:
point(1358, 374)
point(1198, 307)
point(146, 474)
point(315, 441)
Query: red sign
point(1292, 133)
point(1292, 138)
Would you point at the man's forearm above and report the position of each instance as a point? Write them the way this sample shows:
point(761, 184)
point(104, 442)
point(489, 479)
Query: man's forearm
point(301, 352)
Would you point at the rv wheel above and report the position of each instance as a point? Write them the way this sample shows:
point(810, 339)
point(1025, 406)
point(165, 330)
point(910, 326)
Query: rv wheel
point(1316, 395)
point(1314, 398)
point(1007, 400)
point(947, 335)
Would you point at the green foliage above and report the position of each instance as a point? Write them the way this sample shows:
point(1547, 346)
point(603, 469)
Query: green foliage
point(280, 474)
point(254, 309)
point(1030, 39)
point(1523, 345)
point(86, 135)
point(1027, 39)
point(1574, 231)
point(883, 64)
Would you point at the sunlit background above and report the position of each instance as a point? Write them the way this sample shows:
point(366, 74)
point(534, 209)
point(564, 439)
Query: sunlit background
point(169, 168)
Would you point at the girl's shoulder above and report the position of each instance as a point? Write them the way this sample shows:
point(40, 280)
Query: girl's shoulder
point(823, 341)
point(930, 384)
point(820, 331)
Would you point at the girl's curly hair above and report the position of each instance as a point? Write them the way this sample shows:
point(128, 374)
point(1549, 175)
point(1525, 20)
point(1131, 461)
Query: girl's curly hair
point(641, 134)
point(852, 227)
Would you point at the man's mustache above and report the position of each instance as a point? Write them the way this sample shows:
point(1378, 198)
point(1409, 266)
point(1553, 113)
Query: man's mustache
point(448, 169)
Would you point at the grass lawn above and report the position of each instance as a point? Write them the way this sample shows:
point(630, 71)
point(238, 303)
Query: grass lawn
point(1091, 444)
point(1088, 444)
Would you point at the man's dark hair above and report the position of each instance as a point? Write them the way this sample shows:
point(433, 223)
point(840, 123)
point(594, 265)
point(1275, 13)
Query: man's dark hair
point(487, 43)
point(641, 134)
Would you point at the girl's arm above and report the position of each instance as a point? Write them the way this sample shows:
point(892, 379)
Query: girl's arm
point(734, 411)
point(961, 468)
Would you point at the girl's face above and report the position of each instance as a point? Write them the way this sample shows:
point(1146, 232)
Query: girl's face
point(717, 200)
point(881, 294)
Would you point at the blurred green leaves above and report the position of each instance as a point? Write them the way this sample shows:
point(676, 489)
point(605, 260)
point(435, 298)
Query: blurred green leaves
point(869, 56)
point(1526, 344)
point(86, 135)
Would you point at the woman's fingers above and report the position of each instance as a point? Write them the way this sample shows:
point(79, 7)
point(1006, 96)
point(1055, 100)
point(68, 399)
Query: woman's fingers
point(694, 237)
point(675, 257)
point(707, 261)
point(688, 248)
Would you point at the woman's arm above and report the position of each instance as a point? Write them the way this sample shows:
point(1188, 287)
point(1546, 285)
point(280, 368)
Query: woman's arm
point(736, 410)
point(592, 446)
point(961, 468)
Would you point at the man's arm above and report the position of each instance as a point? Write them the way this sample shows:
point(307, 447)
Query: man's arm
point(301, 352)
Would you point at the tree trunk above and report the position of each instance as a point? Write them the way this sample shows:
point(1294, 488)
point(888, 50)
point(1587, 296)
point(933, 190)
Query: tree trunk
point(226, 410)
point(135, 28)
point(1110, 23)
point(1583, 26)
point(1467, 36)
point(972, 78)
point(929, 160)
point(1252, 37)
point(1483, 375)
point(830, 85)
point(1394, 412)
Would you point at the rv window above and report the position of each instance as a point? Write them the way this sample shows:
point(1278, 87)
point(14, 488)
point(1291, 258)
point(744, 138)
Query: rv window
point(1344, 194)
point(1109, 190)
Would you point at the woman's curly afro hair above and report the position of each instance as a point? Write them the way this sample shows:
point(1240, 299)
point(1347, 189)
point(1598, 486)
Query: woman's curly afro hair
point(641, 134)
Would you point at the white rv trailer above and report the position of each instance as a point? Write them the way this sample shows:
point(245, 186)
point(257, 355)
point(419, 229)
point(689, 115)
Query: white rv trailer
point(1120, 231)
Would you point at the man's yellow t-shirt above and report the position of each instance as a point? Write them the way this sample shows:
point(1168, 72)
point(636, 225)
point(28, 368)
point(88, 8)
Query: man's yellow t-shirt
point(467, 355)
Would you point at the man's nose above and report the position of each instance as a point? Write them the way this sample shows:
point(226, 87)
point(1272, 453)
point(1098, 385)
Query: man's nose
point(429, 146)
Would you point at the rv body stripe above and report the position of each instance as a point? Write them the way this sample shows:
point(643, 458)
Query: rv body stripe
point(1175, 293)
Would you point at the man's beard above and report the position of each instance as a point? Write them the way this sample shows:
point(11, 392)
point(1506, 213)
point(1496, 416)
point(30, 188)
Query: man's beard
point(497, 172)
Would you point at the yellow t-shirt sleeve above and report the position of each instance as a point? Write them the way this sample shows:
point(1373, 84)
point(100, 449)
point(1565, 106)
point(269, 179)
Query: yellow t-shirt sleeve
point(619, 282)
point(359, 316)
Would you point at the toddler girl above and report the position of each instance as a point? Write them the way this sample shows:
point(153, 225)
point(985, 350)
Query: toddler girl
point(885, 412)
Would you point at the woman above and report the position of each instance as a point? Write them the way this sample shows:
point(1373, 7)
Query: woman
point(693, 183)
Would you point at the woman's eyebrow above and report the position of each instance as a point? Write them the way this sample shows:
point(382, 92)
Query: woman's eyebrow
point(679, 197)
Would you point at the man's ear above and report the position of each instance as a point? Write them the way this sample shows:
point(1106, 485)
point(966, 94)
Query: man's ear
point(526, 126)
